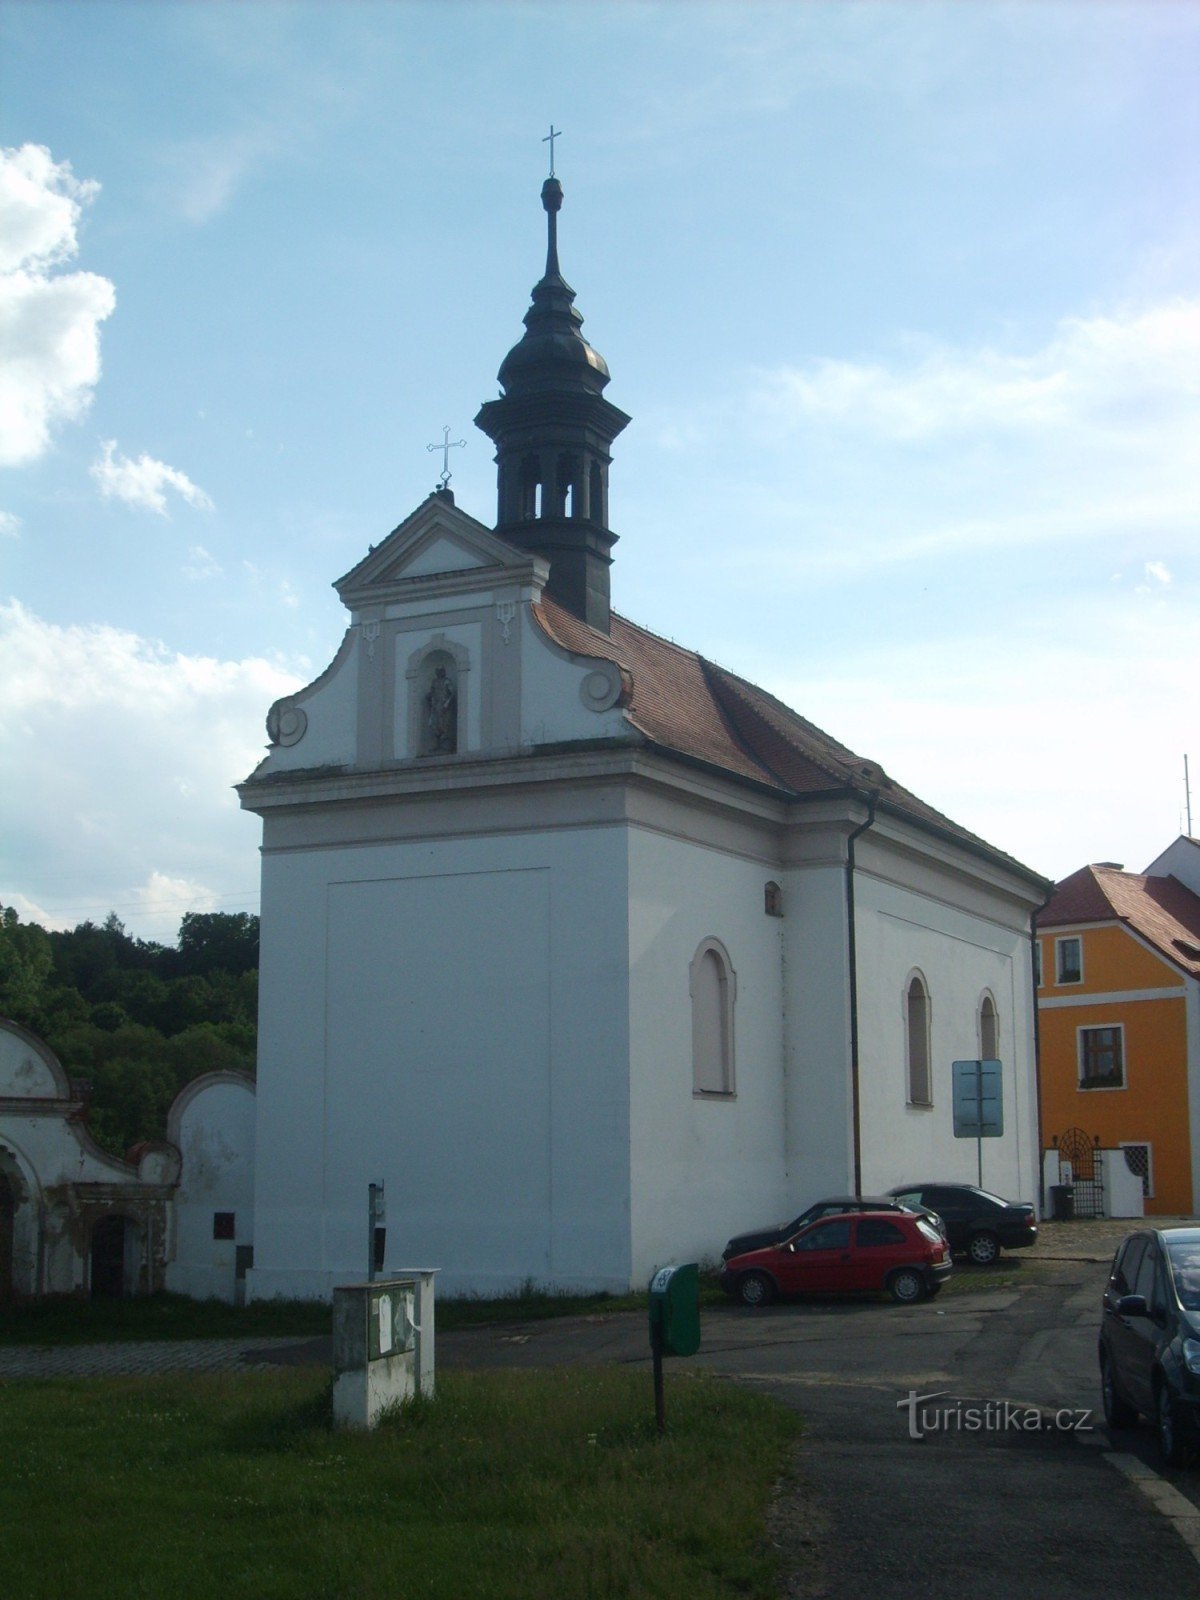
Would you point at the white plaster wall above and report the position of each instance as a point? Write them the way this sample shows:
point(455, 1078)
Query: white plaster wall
point(552, 710)
point(330, 737)
point(24, 1072)
point(216, 1139)
point(959, 955)
point(702, 1169)
point(817, 1011)
point(448, 1018)
point(1181, 859)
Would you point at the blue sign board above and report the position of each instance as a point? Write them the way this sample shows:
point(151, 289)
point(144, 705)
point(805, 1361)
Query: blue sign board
point(978, 1100)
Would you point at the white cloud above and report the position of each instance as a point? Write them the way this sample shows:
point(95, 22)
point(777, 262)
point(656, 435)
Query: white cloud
point(201, 564)
point(143, 482)
point(10, 525)
point(1158, 575)
point(128, 753)
point(49, 323)
point(29, 911)
point(1061, 743)
point(1110, 372)
point(41, 201)
point(207, 173)
point(163, 898)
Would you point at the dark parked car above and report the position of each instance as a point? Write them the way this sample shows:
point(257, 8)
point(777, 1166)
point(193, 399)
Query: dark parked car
point(892, 1250)
point(1150, 1338)
point(835, 1206)
point(978, 1224)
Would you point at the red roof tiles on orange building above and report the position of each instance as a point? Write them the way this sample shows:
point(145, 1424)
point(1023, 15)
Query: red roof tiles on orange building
point(1161, 909)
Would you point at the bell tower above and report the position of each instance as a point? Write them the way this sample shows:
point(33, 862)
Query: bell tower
point(552, 428)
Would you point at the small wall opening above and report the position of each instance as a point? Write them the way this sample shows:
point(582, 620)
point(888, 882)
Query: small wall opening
point(8, 1218)
point(111, 1240)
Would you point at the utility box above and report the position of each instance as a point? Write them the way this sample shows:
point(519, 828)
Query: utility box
point(675, 1310)
point(383, 1345)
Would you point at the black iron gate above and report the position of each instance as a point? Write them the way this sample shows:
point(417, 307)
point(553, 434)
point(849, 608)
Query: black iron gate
point(1079, 1164)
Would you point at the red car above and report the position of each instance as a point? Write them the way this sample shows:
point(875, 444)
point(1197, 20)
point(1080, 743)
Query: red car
point(869, 1250)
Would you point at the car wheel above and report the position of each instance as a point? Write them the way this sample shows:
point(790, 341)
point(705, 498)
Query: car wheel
point(755, 1289)
point(1173, 1447)
point(984, 1248)
point(1118, 1413)
point(906, 1285)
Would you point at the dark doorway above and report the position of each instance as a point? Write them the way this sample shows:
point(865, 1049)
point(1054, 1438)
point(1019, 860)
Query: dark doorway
point(108, 1259)
point(8, 1213)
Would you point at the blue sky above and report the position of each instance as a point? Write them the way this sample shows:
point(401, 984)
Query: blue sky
point(903, 300)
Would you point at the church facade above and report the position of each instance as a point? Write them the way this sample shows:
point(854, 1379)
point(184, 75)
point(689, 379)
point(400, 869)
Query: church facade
point(591, 951)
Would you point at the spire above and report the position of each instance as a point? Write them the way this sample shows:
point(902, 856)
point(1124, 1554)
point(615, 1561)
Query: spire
point(552, 429)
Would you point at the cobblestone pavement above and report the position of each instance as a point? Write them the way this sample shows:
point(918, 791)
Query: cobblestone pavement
point(1093, 1239)
point(134, 1359)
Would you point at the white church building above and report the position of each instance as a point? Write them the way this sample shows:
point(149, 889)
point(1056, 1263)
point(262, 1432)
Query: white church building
point(591, 951)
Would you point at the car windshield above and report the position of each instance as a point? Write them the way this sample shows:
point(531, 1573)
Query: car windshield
point(994, 1198)
point(1185, 1264)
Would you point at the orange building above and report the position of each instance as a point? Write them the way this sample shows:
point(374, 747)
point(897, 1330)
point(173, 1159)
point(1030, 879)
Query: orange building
point(1119, 1019)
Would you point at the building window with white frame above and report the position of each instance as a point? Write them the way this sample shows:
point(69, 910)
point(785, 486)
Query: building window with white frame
point(1068, 960)
point(916, 1020)
point(713, 986)
point(989, 1030)
point(1102, 1058)
point(1139, 1159)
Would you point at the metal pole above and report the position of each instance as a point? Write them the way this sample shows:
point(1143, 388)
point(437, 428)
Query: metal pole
point(372, 1203)
point(660, 1405)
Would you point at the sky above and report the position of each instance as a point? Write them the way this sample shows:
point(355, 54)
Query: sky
point(903, 300)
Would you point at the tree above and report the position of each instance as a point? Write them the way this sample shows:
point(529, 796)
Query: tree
point(209, 940)
point(26, 961)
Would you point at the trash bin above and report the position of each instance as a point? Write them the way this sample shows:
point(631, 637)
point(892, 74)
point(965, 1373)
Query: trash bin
point(1062, 1202)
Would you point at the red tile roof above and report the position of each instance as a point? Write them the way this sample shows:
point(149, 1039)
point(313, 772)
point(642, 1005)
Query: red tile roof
point(687, 706)
point(1160, 909)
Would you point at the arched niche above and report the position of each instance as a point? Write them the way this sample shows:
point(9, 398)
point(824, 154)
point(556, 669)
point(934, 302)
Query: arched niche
point(437, 698)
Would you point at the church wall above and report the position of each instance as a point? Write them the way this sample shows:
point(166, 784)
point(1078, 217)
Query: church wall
point(960, 955)
point(817, 1012)
point(702, 1167)
point(213, 1125)
point(449, 1018)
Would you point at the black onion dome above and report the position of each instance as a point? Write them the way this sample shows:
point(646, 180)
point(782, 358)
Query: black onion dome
point(552, 353)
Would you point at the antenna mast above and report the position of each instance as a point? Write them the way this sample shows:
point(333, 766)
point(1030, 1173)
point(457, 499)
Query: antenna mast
point(1187, 795)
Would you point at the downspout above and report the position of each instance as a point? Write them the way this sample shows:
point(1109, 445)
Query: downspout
point(852, 956)
point(1037, 1051)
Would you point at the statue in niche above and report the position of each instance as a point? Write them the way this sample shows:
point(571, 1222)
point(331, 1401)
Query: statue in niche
point(441, 715)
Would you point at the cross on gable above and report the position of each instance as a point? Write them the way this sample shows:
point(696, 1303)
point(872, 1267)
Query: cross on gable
point(445, 447)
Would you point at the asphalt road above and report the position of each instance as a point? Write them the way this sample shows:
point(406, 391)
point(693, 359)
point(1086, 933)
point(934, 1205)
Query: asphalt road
point(988, 1502)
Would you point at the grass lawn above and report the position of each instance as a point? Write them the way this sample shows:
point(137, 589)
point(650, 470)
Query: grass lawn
point(521, 1485)
point(66, 1319)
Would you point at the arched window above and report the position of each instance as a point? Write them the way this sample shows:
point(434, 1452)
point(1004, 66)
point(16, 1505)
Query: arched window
point(916, 1019)
point(989, 1030)
point(713, 985)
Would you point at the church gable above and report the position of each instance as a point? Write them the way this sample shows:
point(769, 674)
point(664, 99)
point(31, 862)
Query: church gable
point(438, 549)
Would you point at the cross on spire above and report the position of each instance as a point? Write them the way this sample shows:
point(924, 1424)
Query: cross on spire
point(555, 133)
point(445, 447)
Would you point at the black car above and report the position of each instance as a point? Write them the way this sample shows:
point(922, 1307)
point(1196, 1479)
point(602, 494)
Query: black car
point(1150, 1338)
point(978, 1224)
point(760, 1238)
